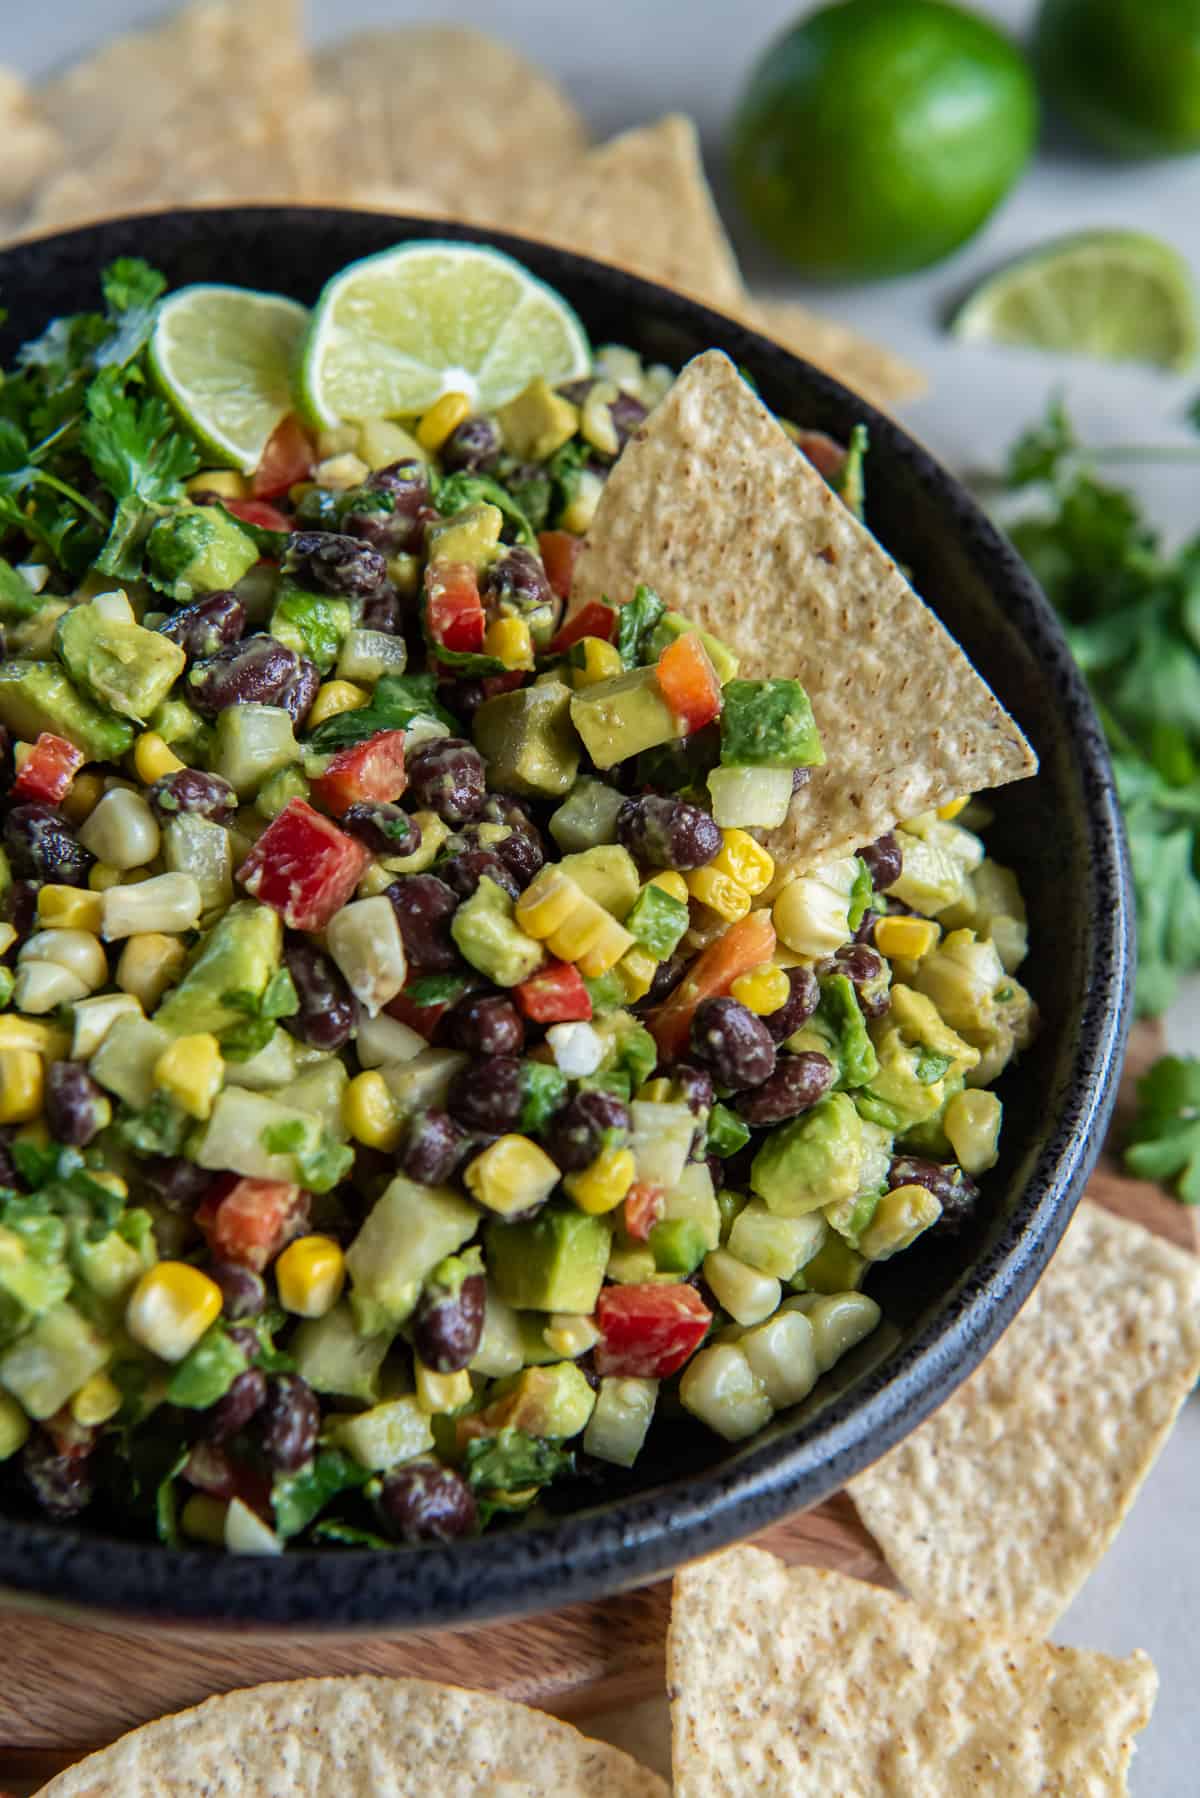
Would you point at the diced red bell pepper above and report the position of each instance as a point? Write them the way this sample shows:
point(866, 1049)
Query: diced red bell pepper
point(287, 458)
point(424, 1019)
point(373, 770)
point(743, 946)
point(453, 608)
point(592, 620)
point(644, 1207)
point(304, 867)
point(824, 452)
point(559, 552)
point(259, 512)
point(48, 770)
point(556, 995)
point(689, 681)
point(648, 1332)
point(251, 1221)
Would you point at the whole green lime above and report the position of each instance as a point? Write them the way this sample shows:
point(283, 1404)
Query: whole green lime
point(876, 136)
point(1126, 73)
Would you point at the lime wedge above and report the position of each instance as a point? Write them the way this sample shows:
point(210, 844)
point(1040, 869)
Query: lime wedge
point(223, 356)
point(1119, 295)
point(392, 333)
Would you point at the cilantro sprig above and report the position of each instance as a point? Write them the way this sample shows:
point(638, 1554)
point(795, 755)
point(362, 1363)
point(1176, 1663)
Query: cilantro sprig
point(1164, 1141)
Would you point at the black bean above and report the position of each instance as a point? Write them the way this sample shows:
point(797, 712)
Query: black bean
point(884, 859)
point(383, 611)
point(76, 1108)
point(798, 1007)
point(243, 1291)
point(486, 1024)
point(518, 579)
point(864, 969)
point(464, 872)
point(298, 695)
point(337, 564)
point(426, 1502)
point(667, 976)
point(42, 846)
point(325, 1019)
point(177, 1182)
point(462, 697)
point(954, 1189)
point(258, 670)
point(20, 906)
point(795, 1086)
point(8, 1167)
point(205, 627)
point(433, 1148)
point(192, 790)
point(291, 1420)
point(61, 1481)
point(590, 1122)
point(474, 444)
point(733, 1042)
point(447, 1325)
point(627, 414)
point(424, 906)
point(401, 530)
point(667, 833)
point(487, 1095)
point(695, 1087)
point(523, 850)
point(210, 1470)
point(446, 775)
point(385, 829)
point(244, 1400)
point(716, 1171)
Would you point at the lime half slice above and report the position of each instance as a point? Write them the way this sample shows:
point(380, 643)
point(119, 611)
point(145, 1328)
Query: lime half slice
point(223, 356)
point(392, 333)
point(1121, 296)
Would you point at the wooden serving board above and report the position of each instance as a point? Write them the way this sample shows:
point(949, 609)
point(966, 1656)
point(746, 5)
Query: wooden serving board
point(69, 1686)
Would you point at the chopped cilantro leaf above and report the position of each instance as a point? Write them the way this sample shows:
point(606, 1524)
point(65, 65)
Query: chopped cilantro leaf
point(1164, 1140)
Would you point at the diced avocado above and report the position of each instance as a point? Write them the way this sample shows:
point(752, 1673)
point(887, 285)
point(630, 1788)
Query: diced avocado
point(608, 874)
point(631, 1266)
point(692, 1201)
point(334, 1356)
point(768, 724)
point(472, 535)
point(199, 847)
point(125, 1061)
point(54, 1357)
point(313, 624)
point(673, 624)
point(776, 1245)
point(121, 665)
point(318, 1090)
point(538, 422)
point(726, 1132)
point(34, 637)
point(408, 1230)
point(501, 1347)
point(938, 859)
point(620, 717)
point(381, 441)
point(852, 1215)
point(909, 1084)
point(657, 921)
point(919, 1020)
point(621, 1419)
point(678, 1245)
point(273, 795)
point(109, 1266)
point(199, 549)
point(488, 936)
point(239, 955)
point(366, 656)
point(207, 1371)
point(812, 1161)
point(836, 1267)
point(38, 696)
point(587, 816)
point(395, 1431)
point(838, 1030)
point(535, 1350)
point(252, 743)
point(994, 908)
point(965, 980)
point(554, 1262)
point(528, 741)
point(183, 730)
point(554, 1400)
point(30, 1283)
point(422, 1083)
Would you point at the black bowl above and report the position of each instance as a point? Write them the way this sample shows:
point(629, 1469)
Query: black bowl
point(945, 1305)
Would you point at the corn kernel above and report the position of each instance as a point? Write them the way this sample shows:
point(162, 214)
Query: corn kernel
point(509, 640)
point(579, 932)
point(763, 990)
point(150, 963)
point(726, 897)
point(511, 1175)
point(570, 1334)
point(226, 483)
point(434, 832)
point(333, 697)
point(341, 472)
point(636, 970)
point(30, 1033)
point(672, 883)
point(21, 1085)
point(601, 661)
point(745, 861)
point(171, 1307)
point(438, 1393)
point(605, 949)
point(97, 1400)
point(152, 759)
point(84, 793)
point(952, 807)
point(101, 878)
point(910, 938)
point(547, 903)
point(43, 986)
point(377, 879)
point(78, 951)
point(309, 1276)
point(444, 416)
point(8, 932)
point(604, 1182)
point(191, 1070)
point(748, 1295)
point(899, 1219)
point(68, 908)
point(369, 1112)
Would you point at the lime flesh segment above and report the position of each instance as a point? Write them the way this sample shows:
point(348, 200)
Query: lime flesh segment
point(1121, 296)
point(392, 333)
point(223, 356)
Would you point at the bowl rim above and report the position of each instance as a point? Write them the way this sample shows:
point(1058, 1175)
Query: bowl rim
point(570, 1559)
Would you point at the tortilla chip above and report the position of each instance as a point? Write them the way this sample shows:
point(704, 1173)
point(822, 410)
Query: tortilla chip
point(32, 146)
point(448, 110)
point(800, 1681)
point(641, 201)
point(1007, 1498)
point(713, 506)
point(877, 373)
point(311, 1738)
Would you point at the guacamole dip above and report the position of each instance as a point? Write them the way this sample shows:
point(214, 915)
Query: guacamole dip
point(420, 1068)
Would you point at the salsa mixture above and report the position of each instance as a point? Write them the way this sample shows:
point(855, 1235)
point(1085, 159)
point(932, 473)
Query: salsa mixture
point(415, 1075)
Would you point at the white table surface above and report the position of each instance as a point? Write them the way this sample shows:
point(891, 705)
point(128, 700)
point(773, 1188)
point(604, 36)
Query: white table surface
point(639, 58)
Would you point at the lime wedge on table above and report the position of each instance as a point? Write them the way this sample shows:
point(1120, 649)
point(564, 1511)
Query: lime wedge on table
point(1120, 295)
point(392, 333)
point(223, 356)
